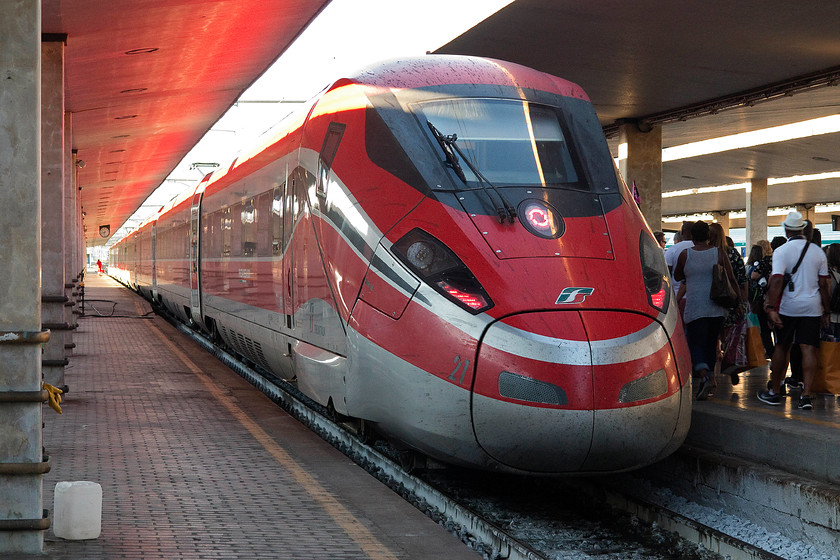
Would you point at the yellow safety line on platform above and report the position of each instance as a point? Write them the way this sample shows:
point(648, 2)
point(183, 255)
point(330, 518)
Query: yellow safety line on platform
point(780, 412)
point(344, 518)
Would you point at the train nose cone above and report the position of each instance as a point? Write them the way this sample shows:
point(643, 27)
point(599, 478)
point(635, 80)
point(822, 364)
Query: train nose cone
point(560, 392)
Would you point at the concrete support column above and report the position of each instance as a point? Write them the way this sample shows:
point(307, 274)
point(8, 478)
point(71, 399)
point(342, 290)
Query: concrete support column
point(71, 245)
point(52, 210)
point(642, 165)
point(81, 250)
point(21, 495)
point(756, 227)
point(722, 217)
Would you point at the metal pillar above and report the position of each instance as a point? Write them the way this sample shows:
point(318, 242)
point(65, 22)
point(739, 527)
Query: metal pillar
point(756, 227)
point(643, 166)
point(722, 217)
point(52, 211)
point(21, 456)
point(808, 211)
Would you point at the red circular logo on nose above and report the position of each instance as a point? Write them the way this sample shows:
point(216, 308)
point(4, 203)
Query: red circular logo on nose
point(541, 219)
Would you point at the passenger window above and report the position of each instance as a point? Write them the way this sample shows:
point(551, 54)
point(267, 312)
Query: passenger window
point(227, 224)
point(248, 216)
point(328, 151)
point(277, 220)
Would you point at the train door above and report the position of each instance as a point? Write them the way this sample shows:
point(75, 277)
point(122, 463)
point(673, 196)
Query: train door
point(290, 212)
point(132, 278)
point(278, 244)
point(154, 261)
point(195, 259)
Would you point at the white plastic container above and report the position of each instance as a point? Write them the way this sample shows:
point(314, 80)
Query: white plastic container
point(77, 510)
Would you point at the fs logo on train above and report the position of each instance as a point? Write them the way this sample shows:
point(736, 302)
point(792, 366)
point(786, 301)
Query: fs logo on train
point(573, 295)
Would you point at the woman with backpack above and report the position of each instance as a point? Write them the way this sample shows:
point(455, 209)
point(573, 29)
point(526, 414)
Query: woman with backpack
point(760, 266)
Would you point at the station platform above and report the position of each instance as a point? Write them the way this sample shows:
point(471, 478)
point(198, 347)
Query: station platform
point(803, 442)
point(196, 463)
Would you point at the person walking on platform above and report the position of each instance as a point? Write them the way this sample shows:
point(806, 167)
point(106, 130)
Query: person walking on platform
point(672, 253)
point(761, 266)
point(795, 380)
point(660, 238)
point(797, 306)
point(703, 317)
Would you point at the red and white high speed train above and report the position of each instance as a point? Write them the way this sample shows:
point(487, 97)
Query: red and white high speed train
point(442, 248)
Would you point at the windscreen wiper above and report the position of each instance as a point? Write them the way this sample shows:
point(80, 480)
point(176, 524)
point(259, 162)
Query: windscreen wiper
point(448, 143)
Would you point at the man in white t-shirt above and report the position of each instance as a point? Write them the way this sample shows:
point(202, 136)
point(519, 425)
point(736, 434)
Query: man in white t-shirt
point(797, 307)
point(672, 253)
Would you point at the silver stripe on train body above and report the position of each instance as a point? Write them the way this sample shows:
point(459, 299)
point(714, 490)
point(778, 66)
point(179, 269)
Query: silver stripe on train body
point(524, 344)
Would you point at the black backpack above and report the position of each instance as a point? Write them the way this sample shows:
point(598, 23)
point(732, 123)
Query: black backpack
point(834, 304)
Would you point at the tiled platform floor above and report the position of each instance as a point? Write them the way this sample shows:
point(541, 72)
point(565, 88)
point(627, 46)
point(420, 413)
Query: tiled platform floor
point(195, 463)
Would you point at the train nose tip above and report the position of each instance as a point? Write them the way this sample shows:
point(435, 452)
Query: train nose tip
point(554, 401)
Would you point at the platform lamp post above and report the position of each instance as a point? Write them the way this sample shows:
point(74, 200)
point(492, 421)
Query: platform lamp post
point(22, 519)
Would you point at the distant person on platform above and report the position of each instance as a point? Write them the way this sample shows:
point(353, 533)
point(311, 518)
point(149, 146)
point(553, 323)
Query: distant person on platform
point(703, 317)
point(99, 266)
point(672, 253)
point(797, 308)
point(660, 238)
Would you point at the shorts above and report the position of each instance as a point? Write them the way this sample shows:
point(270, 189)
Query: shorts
point(799, 330)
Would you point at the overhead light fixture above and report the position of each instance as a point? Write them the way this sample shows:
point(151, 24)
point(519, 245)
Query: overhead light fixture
point(736, 186)
point(142, 51)
point(793, 131)
point(200, 165)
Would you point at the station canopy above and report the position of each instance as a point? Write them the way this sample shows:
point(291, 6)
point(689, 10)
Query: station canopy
point(701, 70)
point(144, 80)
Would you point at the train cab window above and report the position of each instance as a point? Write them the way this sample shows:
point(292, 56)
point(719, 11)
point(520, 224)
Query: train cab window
point(506, 142)
point(328, 151)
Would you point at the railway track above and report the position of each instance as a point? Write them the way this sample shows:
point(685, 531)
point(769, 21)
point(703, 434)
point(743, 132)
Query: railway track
point(505, 517)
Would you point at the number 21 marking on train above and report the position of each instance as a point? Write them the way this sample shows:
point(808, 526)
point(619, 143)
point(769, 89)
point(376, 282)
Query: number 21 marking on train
point(457, 367)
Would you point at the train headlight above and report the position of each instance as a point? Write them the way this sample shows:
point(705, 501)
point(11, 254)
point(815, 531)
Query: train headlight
point(439, 267)
point(648, 387)
point(655, 274)
point(420, 255)
point(541, 219)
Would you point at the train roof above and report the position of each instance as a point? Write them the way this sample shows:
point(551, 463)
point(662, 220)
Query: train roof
point(404, 73)
point(433, 70)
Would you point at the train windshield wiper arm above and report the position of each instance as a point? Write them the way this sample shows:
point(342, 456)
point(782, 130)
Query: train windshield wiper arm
point(448, 143)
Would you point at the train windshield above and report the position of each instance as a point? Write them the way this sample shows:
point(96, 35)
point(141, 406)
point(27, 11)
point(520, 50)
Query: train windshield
point(503, 142)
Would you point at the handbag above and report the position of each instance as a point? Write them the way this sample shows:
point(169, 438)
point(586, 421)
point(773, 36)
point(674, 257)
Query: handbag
point(827, 379)
point(755, 348)
point(734, 346)
point(722, 292)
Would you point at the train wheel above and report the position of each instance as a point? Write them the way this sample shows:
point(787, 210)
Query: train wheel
point(412, 461)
